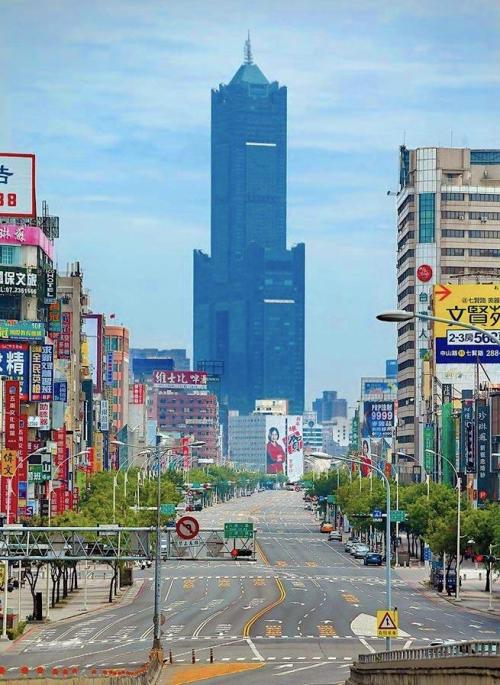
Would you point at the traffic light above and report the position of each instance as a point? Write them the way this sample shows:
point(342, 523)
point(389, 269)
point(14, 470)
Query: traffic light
point(241, 553)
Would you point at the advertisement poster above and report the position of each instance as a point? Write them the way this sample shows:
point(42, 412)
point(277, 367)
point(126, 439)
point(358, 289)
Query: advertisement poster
point(366, 456)
point(11, 414)
point(295, 449)
point(276, 444)
point(42, 373)
point(18, 280)
point(184, 380)
point(22, 330)
point(378, 419)
point(15, 363)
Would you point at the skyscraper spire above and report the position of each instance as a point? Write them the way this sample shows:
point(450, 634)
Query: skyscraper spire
point(248, 51)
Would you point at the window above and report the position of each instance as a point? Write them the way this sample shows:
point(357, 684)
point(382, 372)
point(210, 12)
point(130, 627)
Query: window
point(426, 218)
point(10, 255)
point(452, 233)
point(405, 439)
point(408, 364)
point(409, 290)
point(410, 199)
point(407, 255)
point(484, 234)
point(484, 253)
point(409, 382)
point(485, 156)
point(408, 219)
point(484, 197)
point(410, 345)
point(452, 269)
point(406, 328)
point(485, 216)
point(406, 274)
point(452, 197)
point(452, 252)
point(452, 215)
point(409, 236)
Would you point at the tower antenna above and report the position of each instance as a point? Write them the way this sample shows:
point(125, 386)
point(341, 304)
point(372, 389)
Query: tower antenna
point(248, 50)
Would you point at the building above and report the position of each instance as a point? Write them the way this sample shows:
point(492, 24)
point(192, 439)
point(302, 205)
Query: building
point(329, 406)
point(146, 360)
point(247, 441)
point(336, 435)
point(116, 346)
point(313, 432)
point(249, 293)
point(448, 221)
point(279, 407)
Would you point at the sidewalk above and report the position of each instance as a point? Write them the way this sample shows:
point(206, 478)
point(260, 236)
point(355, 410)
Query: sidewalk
point(472, 595)
point(79, 602)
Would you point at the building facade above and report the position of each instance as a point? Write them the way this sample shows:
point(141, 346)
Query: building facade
point(329, 406)
point(247, 441)
point(448, 217)
point(116, 346)
point(249, 293)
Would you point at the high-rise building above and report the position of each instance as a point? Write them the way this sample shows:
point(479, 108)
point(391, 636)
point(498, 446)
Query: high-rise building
point(329, 406)
point(249, 293)
point(116, 342)
point(145, 360)
point(448, 208)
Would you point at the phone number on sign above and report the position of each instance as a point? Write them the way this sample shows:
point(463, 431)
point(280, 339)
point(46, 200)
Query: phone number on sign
point(470, 337)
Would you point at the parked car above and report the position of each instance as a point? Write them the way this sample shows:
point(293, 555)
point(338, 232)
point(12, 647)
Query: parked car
point(360, 551)
point(372, 559)
point(335, 535)
point(353, 547)
point(326, 527)
point(349, 543)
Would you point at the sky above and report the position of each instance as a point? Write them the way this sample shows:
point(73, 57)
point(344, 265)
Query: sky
point(114, 99)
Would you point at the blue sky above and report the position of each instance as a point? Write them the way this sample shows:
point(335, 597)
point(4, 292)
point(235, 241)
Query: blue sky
point(114, 98)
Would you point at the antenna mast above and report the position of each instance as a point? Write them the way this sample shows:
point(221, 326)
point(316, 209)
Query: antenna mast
point(248, 51)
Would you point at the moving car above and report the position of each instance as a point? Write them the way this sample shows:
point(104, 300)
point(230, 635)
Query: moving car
point(349, 544)
point(360, 551)
point(326, 527)
point(373, 559)
point(335, 535)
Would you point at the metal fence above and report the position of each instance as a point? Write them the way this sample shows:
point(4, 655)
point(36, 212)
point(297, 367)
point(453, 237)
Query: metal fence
point(456, 649)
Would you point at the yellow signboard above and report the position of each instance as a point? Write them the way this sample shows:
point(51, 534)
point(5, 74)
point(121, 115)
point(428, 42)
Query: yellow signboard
point(470, 303)
point(9, 462)
point(387, 623)
point(2, 574)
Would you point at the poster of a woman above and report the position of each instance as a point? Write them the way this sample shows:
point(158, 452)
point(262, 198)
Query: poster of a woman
point(276, 456)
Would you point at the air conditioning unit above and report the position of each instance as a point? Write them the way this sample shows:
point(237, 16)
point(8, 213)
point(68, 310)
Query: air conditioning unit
point(484, 219)
point(462, 217)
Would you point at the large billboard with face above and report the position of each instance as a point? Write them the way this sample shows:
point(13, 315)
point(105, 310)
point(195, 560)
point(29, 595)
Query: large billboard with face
point(276, 447)
point(295, 449)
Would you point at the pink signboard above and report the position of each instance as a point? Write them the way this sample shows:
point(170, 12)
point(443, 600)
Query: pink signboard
point(26, 235)
point(180, 378)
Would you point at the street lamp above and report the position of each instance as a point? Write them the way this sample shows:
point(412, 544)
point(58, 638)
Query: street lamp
point(400, 315)
point(323, 455)
point(459, 493)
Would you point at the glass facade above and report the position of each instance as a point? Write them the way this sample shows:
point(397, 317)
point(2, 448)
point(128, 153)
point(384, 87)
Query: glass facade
point(249, 293)
point(426, 218)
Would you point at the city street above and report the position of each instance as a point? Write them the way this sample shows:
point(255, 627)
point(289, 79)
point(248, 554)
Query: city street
point(305, 604)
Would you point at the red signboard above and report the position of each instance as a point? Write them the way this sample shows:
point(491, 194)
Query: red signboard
point(12, 408)
point(60, 460)
point(63, 339)
point(138, 393)
point(180, 378)
point(424, 273)
point(91, 460)
point(185, 452)
point(76, 498)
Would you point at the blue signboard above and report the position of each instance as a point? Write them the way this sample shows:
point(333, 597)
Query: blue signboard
point(453, 353)
point(391, 368)
point(378, 419)
point(109, 368)
point(15, 364)
point(60, 391)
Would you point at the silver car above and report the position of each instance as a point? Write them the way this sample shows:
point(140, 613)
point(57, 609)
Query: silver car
point(360, 551)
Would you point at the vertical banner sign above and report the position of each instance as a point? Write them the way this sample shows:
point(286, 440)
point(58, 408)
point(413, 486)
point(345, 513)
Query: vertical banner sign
point(61, 463)
point(484, 452)
point(98, 451)
point(138, 393)
point(467, 447)
point(295, 449)
point(22, 447)
point(109, 368)
point(76, 498)
point(42, 372)
point(447, 393)
point(44, 416)
point(61, 391)
point(64, 337)
point(11, 415)
point(429, 445)
point(90, 460)
point(104, 419)
point(185, 453)
point(50, 286)
point(54, 317)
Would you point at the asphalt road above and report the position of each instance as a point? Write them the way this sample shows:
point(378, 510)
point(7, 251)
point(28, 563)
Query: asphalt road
point(305, 610)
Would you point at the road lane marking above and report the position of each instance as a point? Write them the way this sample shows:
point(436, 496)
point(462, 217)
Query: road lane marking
point(368, 646)
point(254, 649)
point(249, 624)
point(302, 668)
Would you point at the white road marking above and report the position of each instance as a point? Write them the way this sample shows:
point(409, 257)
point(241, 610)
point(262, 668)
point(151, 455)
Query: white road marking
point(254, 649)
point(302, 668)
point(368, 646)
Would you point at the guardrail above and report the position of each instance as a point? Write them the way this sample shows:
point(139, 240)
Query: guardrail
point(456, 649)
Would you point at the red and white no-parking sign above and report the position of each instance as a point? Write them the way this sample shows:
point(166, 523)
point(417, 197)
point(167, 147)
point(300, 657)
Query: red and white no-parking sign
point(187, 527)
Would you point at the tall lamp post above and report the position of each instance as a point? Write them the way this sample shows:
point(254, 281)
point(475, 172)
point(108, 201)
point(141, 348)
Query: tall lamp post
point(459, 502)
point(323, 455)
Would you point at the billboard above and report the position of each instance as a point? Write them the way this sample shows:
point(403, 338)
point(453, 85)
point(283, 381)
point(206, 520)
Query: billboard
point(378, 419)
point(295, 449)
point(12, 234)
point(182, 380)
point(276, 447)
point(484, 452)
point(472, 304)
point(21, 330)
point(378, 388)
point(42, 373)
point(17, 184)
point(391, 368)
point(18, 280)
point(138, 393)
point(92, 329)
point(15, 363)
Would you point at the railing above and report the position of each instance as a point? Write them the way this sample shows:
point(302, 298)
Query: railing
point(456, 649)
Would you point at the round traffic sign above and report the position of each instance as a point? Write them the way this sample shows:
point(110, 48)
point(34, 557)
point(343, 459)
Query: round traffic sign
point(187, 527)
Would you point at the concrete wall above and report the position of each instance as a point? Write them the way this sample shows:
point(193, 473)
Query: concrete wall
point(471, 670)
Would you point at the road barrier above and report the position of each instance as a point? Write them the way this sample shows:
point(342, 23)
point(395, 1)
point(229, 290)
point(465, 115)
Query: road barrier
point(456, 649)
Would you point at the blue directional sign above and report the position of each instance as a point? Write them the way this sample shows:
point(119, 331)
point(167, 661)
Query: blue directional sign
point(377, 513)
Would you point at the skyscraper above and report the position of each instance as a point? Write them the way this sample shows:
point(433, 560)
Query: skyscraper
point(249, 294)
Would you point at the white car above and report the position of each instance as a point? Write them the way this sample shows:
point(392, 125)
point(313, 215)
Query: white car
point(360, 551)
